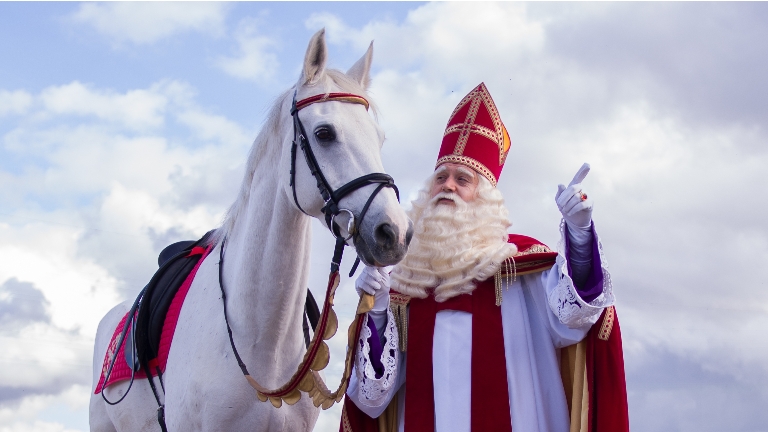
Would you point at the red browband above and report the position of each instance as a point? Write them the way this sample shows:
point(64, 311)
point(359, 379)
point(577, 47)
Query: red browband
point(341, 97)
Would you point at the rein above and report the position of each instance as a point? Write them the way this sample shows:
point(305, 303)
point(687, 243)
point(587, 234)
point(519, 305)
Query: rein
point(306, 378)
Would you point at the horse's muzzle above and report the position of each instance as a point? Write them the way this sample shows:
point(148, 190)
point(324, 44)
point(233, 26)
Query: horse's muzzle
point(383, 245)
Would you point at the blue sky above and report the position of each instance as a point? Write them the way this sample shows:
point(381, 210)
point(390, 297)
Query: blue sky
point(124, 127)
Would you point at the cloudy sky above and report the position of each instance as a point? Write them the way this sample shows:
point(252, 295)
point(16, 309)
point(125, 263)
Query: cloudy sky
point(124, 127)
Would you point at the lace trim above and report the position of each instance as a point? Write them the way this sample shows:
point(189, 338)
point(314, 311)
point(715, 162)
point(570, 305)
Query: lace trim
point(372, 391)
point(566, 303)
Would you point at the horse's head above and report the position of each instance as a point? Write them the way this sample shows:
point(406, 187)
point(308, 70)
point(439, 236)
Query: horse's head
point(343, 147)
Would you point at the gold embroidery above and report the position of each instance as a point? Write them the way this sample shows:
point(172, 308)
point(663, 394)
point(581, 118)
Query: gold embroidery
point(532, 267)
point(464, 160)
point(607, 326)
point(466, 126)
point(473, 128)
point(398, 304)
point(537, 248)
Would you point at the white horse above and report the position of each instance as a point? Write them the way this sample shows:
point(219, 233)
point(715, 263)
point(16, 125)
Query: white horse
point(265, 269)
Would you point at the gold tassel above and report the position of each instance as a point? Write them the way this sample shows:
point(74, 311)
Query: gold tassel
point(497, 285)
point(510, 272)
point(511, 260)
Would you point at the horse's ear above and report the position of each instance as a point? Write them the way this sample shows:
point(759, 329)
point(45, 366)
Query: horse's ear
point(360, 71)
point(316, 57)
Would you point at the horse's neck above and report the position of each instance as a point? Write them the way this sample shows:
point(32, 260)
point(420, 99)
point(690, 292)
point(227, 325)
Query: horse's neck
point(266, 268)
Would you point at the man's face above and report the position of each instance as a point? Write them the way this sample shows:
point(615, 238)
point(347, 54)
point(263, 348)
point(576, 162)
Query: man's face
point(455, 178)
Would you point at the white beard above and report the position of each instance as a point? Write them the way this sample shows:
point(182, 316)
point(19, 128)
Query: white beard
point(454, 247)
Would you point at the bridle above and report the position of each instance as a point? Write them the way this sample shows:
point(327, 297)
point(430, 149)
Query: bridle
point(306, 379)
point(331, 197)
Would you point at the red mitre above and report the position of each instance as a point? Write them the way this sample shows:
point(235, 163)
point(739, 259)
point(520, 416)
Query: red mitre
point(475, 136)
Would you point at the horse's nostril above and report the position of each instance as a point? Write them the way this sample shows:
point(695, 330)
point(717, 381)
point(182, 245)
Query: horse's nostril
point(386, 236)
point(409, 234)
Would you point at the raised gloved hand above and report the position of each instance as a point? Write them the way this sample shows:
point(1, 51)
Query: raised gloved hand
point(374, 281)
point(573, 201)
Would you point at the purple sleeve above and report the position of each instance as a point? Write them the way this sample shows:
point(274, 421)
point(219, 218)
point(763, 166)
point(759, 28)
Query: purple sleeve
point(592, 287)
point(375, 355)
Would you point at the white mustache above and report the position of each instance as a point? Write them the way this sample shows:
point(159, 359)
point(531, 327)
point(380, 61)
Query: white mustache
point(446, 195)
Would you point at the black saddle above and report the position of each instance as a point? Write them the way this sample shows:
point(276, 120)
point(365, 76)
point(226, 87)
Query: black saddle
point(175, 264)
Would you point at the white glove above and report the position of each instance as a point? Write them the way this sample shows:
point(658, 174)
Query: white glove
point(574, 203)
point(374, 281)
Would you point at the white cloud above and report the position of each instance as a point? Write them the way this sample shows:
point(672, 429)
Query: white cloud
point(42, 255)
point(253, 60)
point(105, 180)
point(446, 40)
point(146, 23)
point(89, 137)
point(137, 109)
point(16, 102)
point(24, 416)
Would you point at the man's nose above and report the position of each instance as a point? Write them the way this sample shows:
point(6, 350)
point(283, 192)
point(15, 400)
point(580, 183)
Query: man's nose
point(449, 185)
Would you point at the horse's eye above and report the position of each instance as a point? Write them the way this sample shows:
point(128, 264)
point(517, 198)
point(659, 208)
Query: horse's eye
point(324, 133)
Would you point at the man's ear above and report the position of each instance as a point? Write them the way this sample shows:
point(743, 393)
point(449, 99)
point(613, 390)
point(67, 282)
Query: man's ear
point(360, 71)
point(315, 59)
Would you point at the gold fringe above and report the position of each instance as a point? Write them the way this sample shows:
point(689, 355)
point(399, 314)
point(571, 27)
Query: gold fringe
point(510, 272)
point(497, 285)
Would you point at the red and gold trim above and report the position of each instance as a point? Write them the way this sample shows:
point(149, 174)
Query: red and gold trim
point(468, 161)
point(607, 326)
point(326, 97)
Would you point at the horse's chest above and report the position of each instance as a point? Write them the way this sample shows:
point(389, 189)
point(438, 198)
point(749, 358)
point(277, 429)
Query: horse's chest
point(205, 388)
